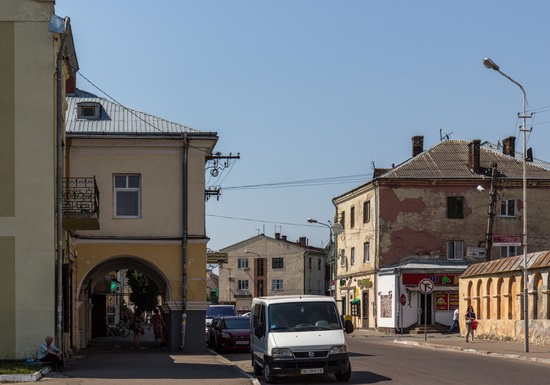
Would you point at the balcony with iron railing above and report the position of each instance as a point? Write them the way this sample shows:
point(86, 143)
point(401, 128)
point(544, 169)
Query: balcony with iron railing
point(80, 203)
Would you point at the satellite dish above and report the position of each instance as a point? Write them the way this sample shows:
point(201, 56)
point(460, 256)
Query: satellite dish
point(337, 228)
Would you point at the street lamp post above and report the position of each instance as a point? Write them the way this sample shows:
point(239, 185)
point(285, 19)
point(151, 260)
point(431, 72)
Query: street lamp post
point(331, 251)
point(488, 63)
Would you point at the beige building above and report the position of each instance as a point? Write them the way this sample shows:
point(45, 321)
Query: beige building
point(264, 266)
point(128, 186)
point(495, 290)
point(28, 164)
point(427, 218)
point(149, 174)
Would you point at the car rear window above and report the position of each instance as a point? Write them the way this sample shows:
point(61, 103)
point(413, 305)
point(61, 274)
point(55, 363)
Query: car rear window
point(237, 323)
point(219, 311)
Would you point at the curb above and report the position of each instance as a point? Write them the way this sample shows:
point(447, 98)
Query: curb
point(471, 350)
point(251, 378)
point(24, 377)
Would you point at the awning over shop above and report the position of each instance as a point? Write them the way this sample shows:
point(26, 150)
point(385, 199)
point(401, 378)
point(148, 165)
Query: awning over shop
point(356, 300)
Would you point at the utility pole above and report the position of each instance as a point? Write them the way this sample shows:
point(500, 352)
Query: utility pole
point(491, 212)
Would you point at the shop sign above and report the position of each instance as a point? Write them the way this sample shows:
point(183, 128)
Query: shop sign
point(436, 278)
point(506, 240)
point(453, 301)
point(365, 282)
point(441, 301)
point(214, 258)
point(446, 300)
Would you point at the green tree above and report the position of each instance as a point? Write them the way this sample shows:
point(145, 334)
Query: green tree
point(145, 292)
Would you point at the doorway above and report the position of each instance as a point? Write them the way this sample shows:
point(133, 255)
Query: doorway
point(426, 314)
point(365, 310)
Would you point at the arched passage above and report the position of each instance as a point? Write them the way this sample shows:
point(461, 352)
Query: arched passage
point(92, 285)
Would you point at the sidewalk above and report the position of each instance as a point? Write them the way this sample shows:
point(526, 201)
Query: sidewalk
point(114, 361)
point(455, 342)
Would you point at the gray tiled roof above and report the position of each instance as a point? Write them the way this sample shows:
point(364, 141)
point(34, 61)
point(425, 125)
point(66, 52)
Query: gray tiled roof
point(449, 160)
point(116, 119)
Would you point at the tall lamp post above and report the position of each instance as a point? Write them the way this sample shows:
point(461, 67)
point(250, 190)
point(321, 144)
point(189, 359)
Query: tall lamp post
point(492, 65)
point(258, 272)
point(331, 252)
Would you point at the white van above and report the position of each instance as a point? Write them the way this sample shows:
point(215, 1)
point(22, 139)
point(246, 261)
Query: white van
point(298, 335)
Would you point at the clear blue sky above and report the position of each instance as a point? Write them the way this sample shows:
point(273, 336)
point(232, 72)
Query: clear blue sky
point(315, 89)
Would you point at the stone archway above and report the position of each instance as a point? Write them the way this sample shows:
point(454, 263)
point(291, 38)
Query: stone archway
point(92, 281)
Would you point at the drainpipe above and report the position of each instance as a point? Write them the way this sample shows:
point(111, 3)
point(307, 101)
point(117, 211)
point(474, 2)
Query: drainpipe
point(376, 254)
point(59, 187)
point(185, 230)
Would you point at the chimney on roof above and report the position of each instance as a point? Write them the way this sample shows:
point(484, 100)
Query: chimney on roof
point(277, 235)
point(509, 146)
point(474, 156)
point(302, 242)
point(70, 85)
point(417, 145)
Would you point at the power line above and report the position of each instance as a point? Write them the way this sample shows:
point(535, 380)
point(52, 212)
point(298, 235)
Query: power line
point(311, 182)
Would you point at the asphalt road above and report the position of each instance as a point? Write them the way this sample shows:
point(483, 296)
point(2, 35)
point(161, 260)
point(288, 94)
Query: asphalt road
point(380, 361)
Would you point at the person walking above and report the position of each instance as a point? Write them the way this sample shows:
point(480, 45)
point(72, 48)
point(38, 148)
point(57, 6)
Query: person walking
point(470, 319)
point(455, 321)
point(137, 327)
point(158, 325)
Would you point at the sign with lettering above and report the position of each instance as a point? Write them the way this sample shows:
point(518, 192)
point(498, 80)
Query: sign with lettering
point(215, 258)
point(436, 278)
point(506, 240)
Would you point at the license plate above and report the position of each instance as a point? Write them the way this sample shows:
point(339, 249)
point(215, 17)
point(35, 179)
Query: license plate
point(242, 342)
point(312, 371)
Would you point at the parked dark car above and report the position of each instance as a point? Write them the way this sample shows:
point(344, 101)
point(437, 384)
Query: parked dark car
point(210, 332)
point(232, 333)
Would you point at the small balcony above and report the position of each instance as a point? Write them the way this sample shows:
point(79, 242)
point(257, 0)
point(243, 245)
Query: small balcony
point(80, 203)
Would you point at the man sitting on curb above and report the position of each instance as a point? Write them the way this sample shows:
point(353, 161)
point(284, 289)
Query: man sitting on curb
point(51, 355)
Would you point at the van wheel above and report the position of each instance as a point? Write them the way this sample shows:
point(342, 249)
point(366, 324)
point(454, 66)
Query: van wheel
point(344, 376)
point(257, 368)
point(268, 376)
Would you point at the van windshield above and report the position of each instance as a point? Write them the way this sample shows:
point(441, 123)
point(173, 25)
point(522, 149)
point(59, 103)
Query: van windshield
point(304, 316)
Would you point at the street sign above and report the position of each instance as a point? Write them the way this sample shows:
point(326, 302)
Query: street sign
point(476, 252)
point(402, 300)
point(426, 286)
point(215, 258)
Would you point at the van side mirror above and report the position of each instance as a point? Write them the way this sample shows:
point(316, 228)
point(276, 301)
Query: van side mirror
point(259, 331)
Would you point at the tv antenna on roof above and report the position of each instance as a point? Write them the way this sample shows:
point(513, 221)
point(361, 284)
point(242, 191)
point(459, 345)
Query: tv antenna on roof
point(444, 136)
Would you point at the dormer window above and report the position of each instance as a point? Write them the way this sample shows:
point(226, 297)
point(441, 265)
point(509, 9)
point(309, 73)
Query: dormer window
point(89, 110)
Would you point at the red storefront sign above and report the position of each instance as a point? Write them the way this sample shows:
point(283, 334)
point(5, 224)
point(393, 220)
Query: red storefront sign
point(436, 278)
point(446, 300)
point(441, 301)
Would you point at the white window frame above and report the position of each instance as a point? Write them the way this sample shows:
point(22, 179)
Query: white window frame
point(242, 284)
point(277, 285)
point(126, 189)
point(455, 250)
point(505, 208)
point(366, 252)
point(80, 107)
point(242, 263)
